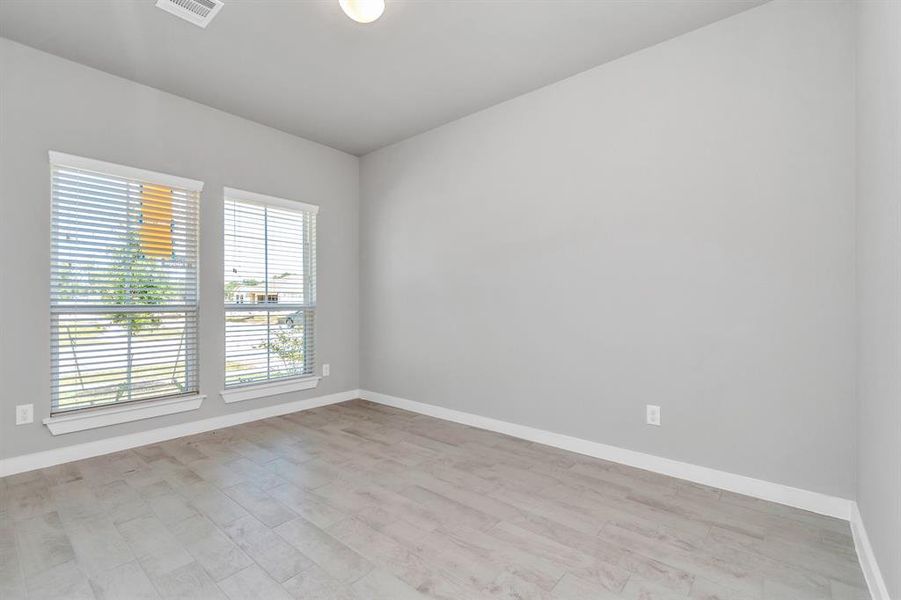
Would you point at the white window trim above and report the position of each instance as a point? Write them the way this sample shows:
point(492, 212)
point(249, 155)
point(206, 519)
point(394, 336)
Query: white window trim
point(245, 196)
point(92, 418)
point(90, 164)
point(263, 389)
point(260, 390)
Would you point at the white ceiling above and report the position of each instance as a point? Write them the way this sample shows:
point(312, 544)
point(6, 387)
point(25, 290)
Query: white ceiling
point(303, 67)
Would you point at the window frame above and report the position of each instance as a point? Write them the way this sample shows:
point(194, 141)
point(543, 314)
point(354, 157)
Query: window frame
point(236, 392)
point(120, 411)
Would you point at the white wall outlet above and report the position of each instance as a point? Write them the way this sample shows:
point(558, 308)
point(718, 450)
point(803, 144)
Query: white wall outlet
point(325, 370)
point(24, 414)
point(653, 414)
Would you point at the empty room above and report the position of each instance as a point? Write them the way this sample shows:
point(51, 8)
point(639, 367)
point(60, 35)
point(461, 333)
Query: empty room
point(450, 299)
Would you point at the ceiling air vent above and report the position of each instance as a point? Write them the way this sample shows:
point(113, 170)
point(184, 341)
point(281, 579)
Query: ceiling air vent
point(199, 12)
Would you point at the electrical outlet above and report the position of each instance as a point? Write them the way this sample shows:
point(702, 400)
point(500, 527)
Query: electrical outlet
point(653, 414)
point(325, 370)
point(24, 414)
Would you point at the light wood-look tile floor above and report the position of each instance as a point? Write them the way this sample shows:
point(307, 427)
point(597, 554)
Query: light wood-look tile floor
point(361, 501)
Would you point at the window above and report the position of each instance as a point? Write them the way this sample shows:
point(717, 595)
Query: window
point(123, 284)
point(270, 288)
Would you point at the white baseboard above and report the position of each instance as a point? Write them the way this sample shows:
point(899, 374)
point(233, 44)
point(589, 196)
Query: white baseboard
point(56, 456)
point(765, 490)
point(878, 589)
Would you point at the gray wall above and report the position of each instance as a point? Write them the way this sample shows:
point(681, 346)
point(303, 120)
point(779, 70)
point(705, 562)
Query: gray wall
point(879, 281)
point(675, 227)
point(47, 103)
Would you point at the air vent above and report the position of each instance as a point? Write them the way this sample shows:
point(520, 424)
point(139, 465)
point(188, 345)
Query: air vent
point(199, 12)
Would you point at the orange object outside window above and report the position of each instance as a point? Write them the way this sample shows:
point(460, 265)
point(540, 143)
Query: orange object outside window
point(156, 221)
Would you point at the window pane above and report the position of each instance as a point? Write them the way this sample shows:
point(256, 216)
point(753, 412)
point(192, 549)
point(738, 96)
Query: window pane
point(286, 255)
point(245, 253)
point(121, 242)
point(116, 357)
point(265, 345)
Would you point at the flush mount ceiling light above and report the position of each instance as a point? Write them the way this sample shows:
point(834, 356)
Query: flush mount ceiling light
point(363, 11)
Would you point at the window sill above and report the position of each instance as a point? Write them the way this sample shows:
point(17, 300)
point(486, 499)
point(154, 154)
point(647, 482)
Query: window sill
point(268, 389)
point(101, 417)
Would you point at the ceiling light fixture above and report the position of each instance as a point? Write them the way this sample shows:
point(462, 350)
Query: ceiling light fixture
point(363, 11)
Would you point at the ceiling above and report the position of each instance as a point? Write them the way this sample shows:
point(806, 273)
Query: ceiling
point(303, 67)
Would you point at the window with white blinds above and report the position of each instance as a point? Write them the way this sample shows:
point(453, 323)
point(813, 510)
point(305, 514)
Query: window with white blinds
point(270, 288)
point(123, 284)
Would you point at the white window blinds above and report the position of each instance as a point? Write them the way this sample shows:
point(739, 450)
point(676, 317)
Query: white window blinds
point(270, 288)
point(123, 284)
